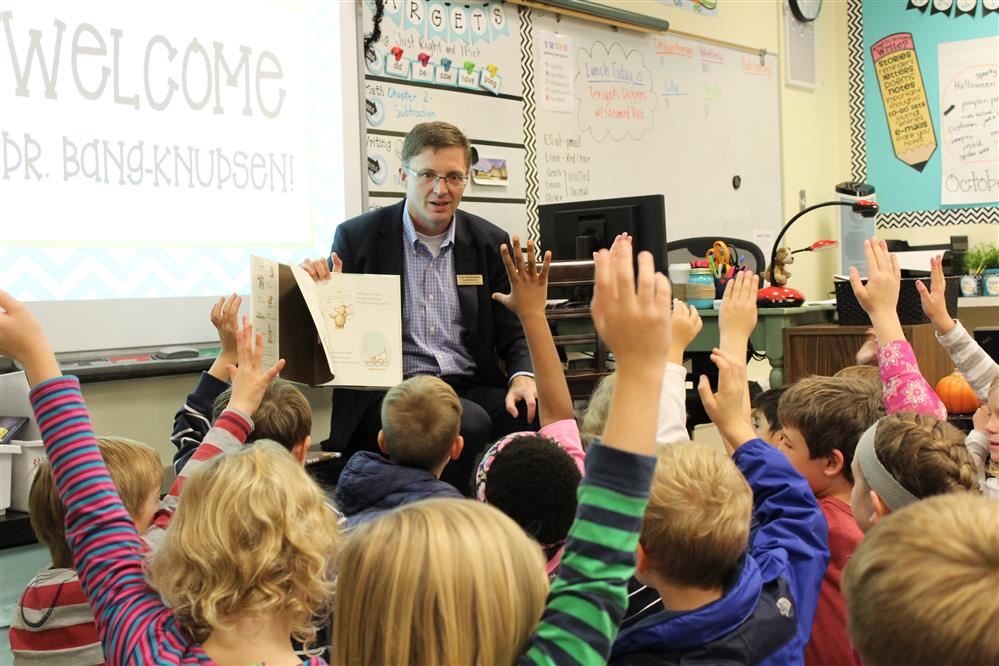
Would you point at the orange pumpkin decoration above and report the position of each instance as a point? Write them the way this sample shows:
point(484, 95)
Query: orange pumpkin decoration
point(956, 394)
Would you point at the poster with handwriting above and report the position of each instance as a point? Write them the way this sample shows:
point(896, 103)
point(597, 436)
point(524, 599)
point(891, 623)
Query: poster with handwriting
point(969, 122)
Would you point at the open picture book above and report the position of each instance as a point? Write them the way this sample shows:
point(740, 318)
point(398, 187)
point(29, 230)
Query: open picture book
point(344, 331)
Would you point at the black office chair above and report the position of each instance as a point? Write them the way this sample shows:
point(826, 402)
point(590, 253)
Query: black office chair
point(683, 250)
point(680, 252)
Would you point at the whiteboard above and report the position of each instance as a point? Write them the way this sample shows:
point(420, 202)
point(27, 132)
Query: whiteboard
point(587, 112)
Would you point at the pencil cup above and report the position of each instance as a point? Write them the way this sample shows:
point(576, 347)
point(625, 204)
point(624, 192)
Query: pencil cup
point(700, 288)
point(971, 285)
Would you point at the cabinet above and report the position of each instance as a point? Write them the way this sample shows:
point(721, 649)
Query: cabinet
point(823, 349)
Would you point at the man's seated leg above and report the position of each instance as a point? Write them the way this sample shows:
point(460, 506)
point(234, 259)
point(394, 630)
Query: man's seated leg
point(364, 436)
point(475, 430)
point(493, 400)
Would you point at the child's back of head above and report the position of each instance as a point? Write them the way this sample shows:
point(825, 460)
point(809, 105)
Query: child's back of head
point(822, 415)
point(904, 458)
point(136, 472)
point(252, 537)
point(534, 481)
point(696, 524)
point(52, 622)
point(284, 414)
point(457, 581)
point(921, 587)
point(421, 418)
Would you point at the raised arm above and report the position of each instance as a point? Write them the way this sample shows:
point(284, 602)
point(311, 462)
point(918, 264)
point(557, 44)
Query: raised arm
point(194, 419)
point(589, 596)
point(971, 360)
point(905, 389)
point(99, 531)
point(685, 324)
point(527, 298)
point(249, 382)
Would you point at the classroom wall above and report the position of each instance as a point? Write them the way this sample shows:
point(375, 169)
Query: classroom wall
point(143, 409)
point(815, 131)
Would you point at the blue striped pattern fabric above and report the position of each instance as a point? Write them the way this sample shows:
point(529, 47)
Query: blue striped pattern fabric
point(431, 318)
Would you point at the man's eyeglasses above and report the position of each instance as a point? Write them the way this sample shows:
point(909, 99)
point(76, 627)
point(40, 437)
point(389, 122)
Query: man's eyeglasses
point(429, 179)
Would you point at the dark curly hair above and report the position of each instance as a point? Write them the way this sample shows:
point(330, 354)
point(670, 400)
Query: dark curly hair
point(534, 481)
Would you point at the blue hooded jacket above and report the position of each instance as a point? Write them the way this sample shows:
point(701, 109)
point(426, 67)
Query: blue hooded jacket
point(370, 484)
point(765, 613)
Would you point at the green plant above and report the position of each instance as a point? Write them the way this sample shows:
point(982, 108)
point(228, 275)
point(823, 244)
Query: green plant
point(980, 258)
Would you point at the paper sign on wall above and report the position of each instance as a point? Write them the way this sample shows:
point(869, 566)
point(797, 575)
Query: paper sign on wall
point(969, 121)
point(555, 72)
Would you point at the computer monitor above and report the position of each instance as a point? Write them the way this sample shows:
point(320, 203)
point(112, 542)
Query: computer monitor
point(576, 230)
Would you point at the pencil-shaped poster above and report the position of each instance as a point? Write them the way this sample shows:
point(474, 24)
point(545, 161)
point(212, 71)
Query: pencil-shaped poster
point(904, 97)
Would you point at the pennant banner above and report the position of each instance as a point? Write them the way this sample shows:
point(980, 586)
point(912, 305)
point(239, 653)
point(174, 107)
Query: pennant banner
point(919, 5)
point(989, 6)
point(965, 7)
point(469, 22)
point(942, 6)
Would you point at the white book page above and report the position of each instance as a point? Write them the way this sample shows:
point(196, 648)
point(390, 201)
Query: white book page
point(264, 306)
point(359, 321)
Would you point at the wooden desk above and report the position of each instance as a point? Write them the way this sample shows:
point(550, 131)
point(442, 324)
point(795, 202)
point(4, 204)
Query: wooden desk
point(824, 349)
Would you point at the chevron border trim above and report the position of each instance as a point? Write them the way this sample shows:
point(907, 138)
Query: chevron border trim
point(923, 218)
point(858, 127)
point(530, 117)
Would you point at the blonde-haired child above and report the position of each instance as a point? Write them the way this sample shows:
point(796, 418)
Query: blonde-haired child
point(921, 588)
point(421, 418)
point(588, 596)
point(52, 623)
point(981, 371)
point(281, 528)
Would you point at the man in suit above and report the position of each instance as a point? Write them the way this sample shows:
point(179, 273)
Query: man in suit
point(450, 266)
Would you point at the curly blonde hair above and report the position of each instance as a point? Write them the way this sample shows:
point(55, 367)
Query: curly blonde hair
point(252, 536)
point(926, 456)
point(409, 571)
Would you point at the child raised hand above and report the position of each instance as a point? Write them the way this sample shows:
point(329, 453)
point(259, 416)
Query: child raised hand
point(685, 324)
point(22, 339)
point(527, 298)
point(249, 378)
point(635, 324)
point(225, 319)
point(934, 299)
point(728, 407)
point(879, 297)
point(905, 389)
point(738, 313)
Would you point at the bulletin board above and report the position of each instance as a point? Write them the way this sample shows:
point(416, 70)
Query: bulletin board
point(563, 110)
point(924, 109)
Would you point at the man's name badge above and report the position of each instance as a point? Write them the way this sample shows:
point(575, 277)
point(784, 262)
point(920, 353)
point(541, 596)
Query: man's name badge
point(469, 280)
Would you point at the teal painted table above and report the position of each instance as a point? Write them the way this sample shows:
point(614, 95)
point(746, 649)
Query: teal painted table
point(768, 336)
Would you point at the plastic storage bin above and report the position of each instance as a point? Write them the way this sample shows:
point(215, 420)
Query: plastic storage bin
point(910, 311)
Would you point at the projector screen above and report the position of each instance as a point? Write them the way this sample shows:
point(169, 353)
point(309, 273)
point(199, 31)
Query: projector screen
point(147, 150)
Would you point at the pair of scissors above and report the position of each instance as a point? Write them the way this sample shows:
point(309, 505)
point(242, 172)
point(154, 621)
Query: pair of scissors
point(722, 257)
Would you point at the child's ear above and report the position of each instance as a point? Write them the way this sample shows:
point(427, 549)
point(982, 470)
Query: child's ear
point(382, 444)
point(456, 447)
point(641, 559)
point(835, 463)
point(301, 450)
point(880, 508)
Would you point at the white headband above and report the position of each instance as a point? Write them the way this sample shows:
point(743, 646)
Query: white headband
point(878, 478)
